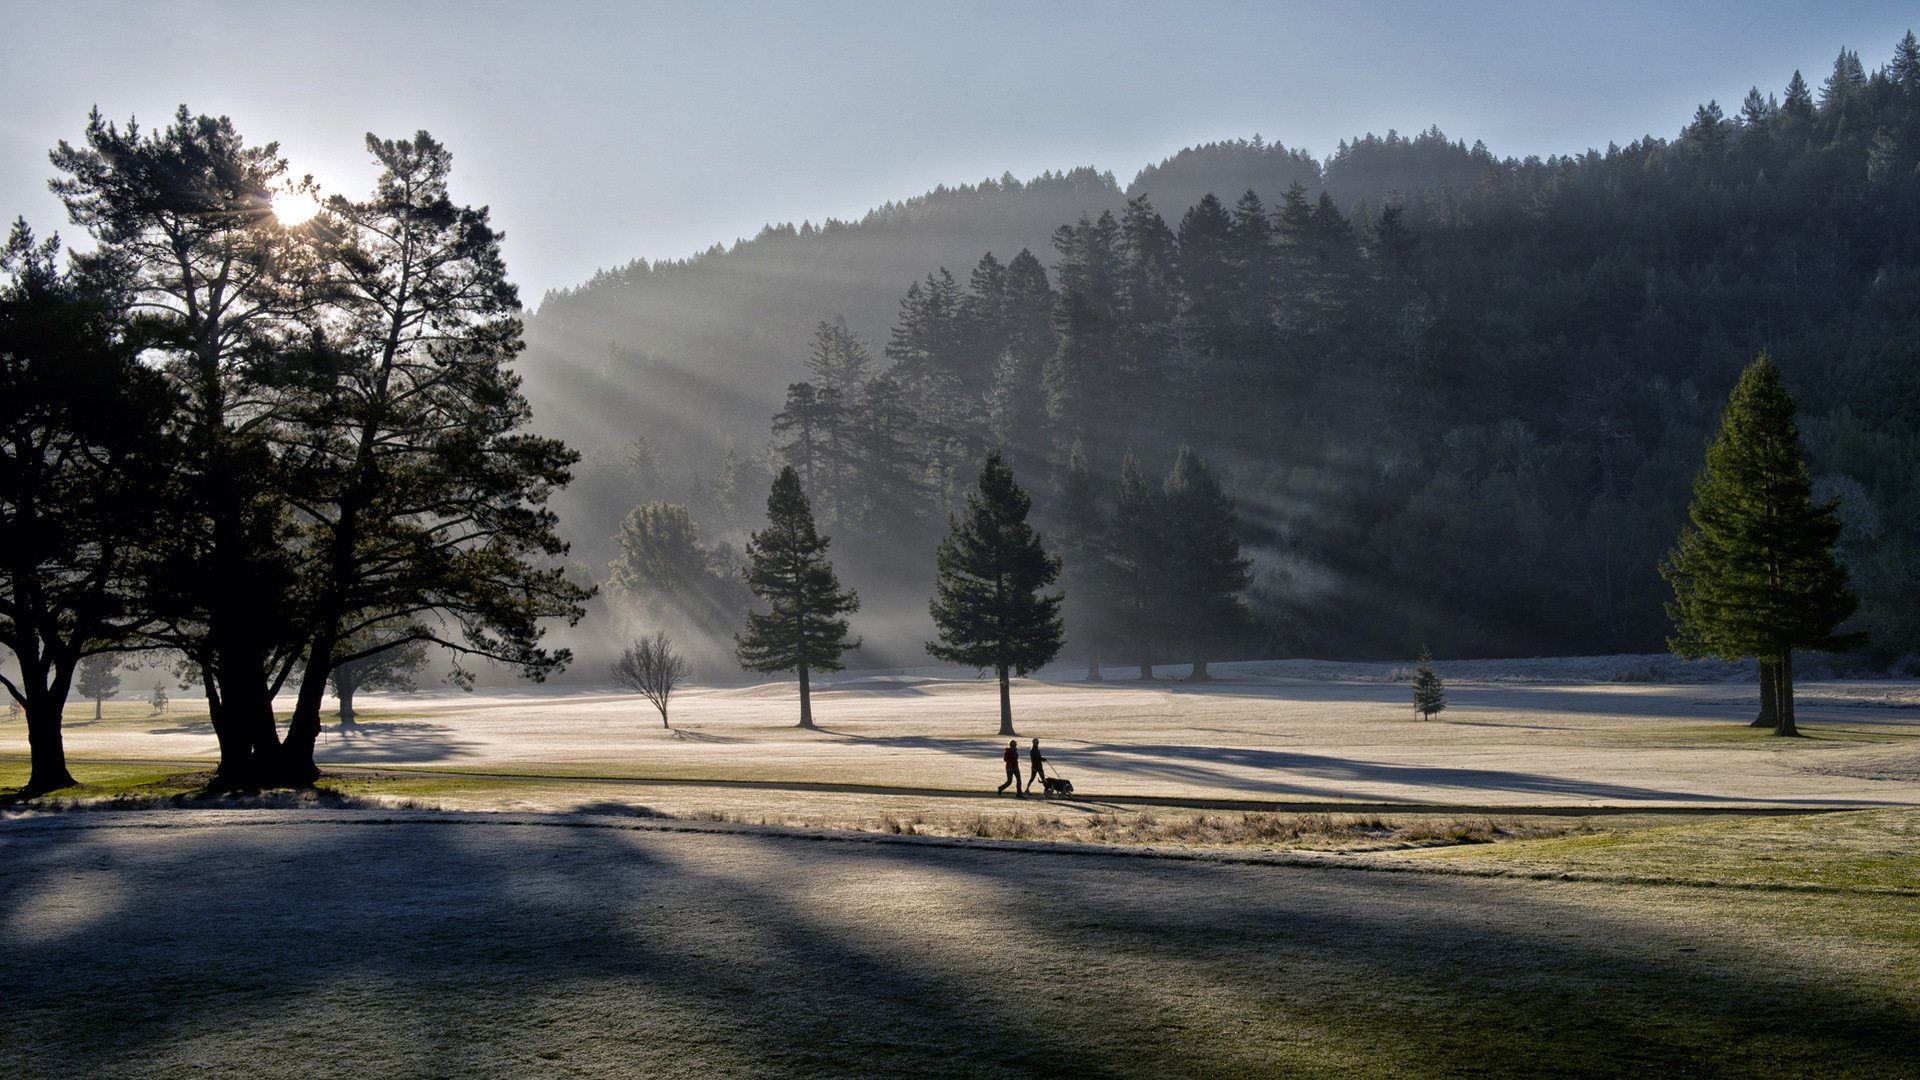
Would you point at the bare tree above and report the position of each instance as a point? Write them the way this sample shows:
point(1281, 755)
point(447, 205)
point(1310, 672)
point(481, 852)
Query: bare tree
point(651, 667)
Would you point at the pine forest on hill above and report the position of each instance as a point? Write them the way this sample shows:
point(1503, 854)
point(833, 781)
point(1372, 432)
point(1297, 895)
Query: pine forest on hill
point(1458, 399)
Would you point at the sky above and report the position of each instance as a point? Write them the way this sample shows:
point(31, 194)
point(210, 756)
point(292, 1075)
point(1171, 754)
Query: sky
point(599, 133)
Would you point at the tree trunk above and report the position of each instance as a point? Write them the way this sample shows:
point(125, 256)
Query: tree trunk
point(806, 700)
point(1146, 671)
point(45, 745)
point(1784, 700)
point(1769, 697)
point(1006, 704)
point(294, 765)
point(1200, 672)
point(343, 689)
point(663, 717)
point(249, 737)
point(1093, 666)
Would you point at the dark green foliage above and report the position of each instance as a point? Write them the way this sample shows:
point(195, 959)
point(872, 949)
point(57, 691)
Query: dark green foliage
point(987, 606)
point(1087, 563)
point(183, 224)
point(1429, 693)
point(429, 500)
point(82, 456)
point(382, 657)
point(99, 679)
point(804, 628)
point(1755, 573)
point(351, 445)
point(1459, 396)
point(1204, 571)
point(1138, 547)
point(664, 567)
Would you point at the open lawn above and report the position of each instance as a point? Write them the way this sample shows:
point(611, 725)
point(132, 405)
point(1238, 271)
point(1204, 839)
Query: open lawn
point(1268, 875)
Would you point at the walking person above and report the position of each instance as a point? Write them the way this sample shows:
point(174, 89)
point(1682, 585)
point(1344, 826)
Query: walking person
point(1011, 756)
point(1039, 774)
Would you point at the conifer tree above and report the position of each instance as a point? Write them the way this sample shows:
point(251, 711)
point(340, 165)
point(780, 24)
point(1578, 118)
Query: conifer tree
point(805, 628)
point(1087, 567)
point(1204, 572)
point(1755, 574)
point(82, 451)
point(1429, 693)
point(987, 605)
point(1905, 69)
point(1138, 547)
point(99, 678)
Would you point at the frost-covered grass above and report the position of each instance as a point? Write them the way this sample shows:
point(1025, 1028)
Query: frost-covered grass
point(403, 943)
point(1855, 850)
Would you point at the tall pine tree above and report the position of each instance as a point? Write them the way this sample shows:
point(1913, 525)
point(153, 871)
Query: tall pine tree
point(1205, 574)
point(987, 606)
point(805, 628)
point(1755, 574)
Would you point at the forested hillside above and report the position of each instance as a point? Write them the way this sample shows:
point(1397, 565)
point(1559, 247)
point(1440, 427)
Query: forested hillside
point(1458, 398)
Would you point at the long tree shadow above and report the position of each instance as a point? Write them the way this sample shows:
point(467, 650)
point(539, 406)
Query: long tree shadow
point(389, 742)
point(1289, 772)
point(488, 945)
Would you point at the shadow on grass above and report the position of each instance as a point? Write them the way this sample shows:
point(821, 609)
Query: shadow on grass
point(412, 944)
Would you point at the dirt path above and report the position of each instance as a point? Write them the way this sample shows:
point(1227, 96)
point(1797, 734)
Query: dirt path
point(228, 943)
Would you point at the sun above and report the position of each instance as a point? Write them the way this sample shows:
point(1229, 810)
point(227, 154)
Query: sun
point(294, 206)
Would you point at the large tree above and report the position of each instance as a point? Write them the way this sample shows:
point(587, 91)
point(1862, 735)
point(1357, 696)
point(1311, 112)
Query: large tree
point(1754, 575)
point(428, 503)
point(805, 627)
point(182, 220)
point(1205, 573)
point(987, 606)
point(81, 456)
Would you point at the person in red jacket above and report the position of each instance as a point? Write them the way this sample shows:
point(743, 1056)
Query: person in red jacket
point(1011, 755)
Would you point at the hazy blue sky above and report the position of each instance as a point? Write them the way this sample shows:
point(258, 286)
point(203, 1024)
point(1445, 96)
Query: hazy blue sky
point(601, 132)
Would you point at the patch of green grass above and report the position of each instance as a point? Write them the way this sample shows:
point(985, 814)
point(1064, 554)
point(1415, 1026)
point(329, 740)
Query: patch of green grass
point(106, 781)
point(1853, 850)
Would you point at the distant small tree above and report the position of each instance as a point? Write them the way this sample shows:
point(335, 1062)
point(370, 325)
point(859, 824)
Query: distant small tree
point(99, 679)
point(389, 668)
point(1429, 693)
point(805, 626)
point(649, 666)
point(987, 606)
point(158, 702)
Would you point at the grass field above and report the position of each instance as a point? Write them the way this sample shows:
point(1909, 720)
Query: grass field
point(1269, 877)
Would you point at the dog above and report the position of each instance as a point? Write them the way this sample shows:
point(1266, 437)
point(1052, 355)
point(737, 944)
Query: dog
point(1054, 785)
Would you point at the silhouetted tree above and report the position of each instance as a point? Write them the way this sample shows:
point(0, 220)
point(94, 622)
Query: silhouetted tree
point(1755, 574)
point(1138, 547)
point(804, 629)
point(1204, 571)
point(431, 497)
point(182, 218)
point(650, 667)
point(385, 658)
point(987, 607)
point(1087, 564)
point(81, 458)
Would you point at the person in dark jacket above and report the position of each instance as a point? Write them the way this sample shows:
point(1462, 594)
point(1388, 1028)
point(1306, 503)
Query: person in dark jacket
point(1011, 756)
point(1039, 774)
